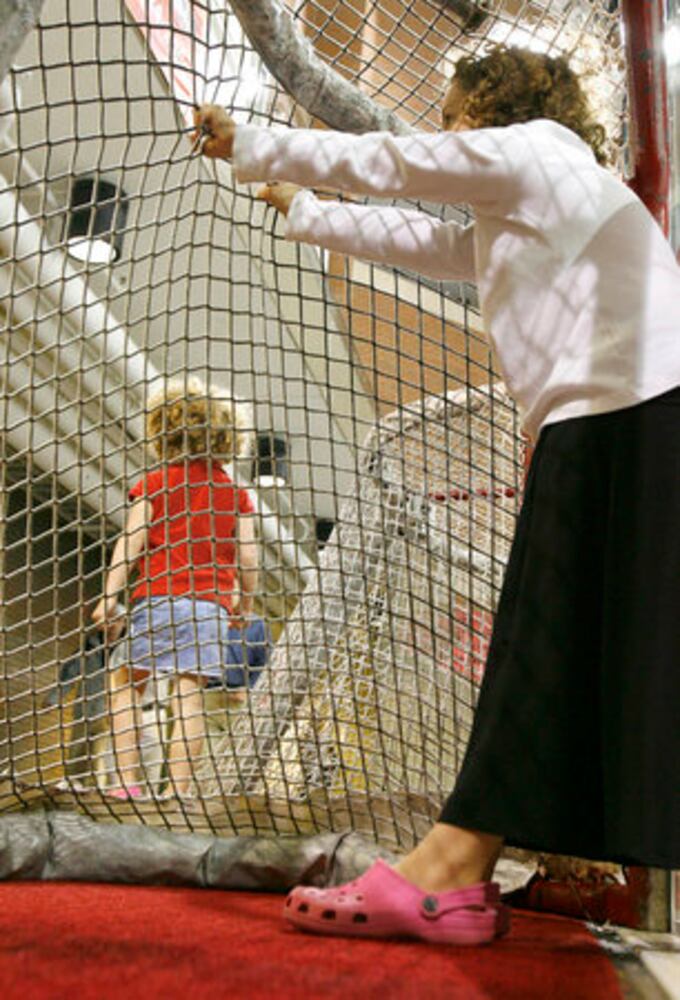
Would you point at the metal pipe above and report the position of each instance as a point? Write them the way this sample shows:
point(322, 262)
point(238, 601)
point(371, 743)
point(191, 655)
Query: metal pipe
point(18, 18)
point(47, 270)
point(644, 25)
point(68, 358)
point(274, 533)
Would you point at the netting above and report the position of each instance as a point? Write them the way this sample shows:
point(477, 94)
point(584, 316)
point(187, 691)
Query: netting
point(392, 430)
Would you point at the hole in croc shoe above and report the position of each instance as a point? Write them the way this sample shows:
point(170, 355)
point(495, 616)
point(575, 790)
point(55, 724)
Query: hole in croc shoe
point(328, 915)
point(359, 918)
point(303, 908)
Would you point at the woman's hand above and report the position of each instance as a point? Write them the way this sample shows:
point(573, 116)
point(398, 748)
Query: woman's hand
point(279, 195)
point(215, 130)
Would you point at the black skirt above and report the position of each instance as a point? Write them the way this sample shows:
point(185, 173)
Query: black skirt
point(575, 747)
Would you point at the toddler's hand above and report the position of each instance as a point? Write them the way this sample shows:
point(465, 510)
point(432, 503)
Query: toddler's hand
point(103, 610)
point(115, 629)
point(279, 195)
point(214, 135)
point(109, 618)
point(241, 609)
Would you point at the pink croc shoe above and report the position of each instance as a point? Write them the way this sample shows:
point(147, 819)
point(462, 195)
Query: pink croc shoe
point(381, 903)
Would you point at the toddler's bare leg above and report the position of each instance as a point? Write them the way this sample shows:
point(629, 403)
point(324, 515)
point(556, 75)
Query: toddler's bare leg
point(188, 732)
point(451, 857)
point(124, 708)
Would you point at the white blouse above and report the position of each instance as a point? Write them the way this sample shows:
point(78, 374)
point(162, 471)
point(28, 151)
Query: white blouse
point(579, 289)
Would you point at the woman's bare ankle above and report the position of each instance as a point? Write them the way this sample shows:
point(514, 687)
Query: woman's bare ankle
point(436, 878)
point(450, 858)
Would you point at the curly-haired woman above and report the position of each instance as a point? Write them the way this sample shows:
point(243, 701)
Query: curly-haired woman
point(575, 747)
point(190, 535)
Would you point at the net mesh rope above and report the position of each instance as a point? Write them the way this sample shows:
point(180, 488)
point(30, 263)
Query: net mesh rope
point(397, 431)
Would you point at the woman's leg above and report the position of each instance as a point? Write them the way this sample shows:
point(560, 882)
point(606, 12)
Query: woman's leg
point(188, 732)
point(125, 727)
point(451, 857)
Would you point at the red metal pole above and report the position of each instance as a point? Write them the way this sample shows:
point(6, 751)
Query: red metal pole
point(644, 25)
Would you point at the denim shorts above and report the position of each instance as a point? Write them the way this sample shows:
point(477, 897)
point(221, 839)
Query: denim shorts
point(179, 635)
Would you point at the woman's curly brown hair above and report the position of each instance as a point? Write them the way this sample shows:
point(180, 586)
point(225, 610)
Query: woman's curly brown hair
point(512, 85)
point(188, 419)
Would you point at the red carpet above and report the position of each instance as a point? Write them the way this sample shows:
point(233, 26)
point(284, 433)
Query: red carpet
point(95, 942)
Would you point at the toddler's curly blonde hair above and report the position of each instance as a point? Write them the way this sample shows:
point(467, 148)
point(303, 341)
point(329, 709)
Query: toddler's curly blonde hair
point(511, 85)
point(189, 419)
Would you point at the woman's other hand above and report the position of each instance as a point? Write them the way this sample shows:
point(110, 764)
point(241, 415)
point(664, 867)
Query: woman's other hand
point(214, 132)
point(279, 195)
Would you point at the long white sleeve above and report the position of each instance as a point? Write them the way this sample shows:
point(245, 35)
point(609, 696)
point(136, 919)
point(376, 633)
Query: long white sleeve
point(481, 167)
point(394, 236)
point(577, 286)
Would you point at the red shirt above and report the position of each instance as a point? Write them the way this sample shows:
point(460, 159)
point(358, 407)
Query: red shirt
point(192, 546)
